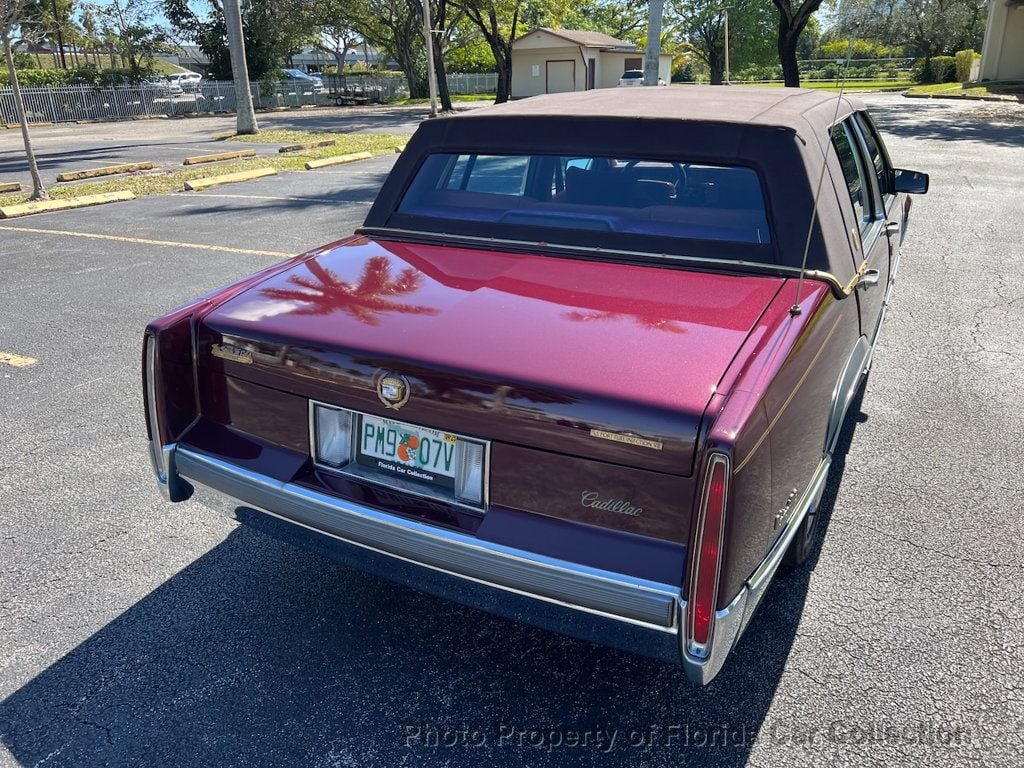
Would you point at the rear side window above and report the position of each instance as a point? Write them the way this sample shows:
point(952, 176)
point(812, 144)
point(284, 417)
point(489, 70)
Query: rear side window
point(472, 194)
point(853, 173)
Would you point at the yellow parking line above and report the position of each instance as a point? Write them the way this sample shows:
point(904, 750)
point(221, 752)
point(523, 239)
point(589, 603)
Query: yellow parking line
point(143, 241)
point(16, 361)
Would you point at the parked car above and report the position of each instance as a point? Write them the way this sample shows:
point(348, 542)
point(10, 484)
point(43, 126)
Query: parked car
point(189, 81)
point(161, 87)
point(634, 78)
point(574, 368)
point(298, 78)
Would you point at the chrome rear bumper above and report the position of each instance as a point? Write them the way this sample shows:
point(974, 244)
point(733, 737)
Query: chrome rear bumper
point(608, 608)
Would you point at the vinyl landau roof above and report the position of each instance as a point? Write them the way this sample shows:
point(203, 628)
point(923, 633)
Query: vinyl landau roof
point(785, 107)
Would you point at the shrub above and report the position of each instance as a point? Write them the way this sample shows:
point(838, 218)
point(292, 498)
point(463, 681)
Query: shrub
point(940, 69)
point(964, 64)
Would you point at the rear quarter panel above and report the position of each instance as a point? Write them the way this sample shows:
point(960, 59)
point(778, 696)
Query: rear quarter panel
point(773, 414)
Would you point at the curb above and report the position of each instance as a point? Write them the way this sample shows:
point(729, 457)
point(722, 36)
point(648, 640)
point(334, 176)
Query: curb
point(109, 170)
point(10, 187)
point(400, 149)
point(966, 97)
point(307, 145)
point(337, 160)
point(237, 154)
point(197, 185)
point(45, 206)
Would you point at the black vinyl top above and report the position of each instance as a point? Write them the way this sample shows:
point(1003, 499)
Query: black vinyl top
point(781, 133)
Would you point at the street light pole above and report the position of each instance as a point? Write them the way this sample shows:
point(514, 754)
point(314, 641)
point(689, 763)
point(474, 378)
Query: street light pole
point(428, 38)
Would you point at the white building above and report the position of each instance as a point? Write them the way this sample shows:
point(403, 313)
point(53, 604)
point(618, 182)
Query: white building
point(1002, 55)
point(557, 60)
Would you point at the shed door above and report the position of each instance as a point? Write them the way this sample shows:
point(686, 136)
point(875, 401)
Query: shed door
point(561, 76)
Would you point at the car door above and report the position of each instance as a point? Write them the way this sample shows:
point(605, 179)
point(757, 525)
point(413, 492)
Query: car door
point(869, 214)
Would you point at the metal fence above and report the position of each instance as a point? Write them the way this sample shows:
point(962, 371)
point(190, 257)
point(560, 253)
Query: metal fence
point(68, 103)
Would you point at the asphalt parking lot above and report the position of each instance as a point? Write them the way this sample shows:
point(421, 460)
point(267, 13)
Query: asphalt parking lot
point(166, 142)
point(134, 632)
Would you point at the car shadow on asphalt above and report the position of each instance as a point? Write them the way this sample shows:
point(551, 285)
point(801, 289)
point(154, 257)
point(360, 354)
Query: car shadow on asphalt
point(938, 124)
point(260, 653)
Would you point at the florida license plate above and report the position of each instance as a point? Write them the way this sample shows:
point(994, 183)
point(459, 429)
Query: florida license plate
point(408, 452)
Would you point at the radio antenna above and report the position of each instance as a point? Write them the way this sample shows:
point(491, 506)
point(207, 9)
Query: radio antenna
point(795, 309)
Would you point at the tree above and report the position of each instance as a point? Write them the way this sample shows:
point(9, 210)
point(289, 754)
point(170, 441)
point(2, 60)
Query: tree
point(498, 21)
point(10, 18)
point(136, 40)
point(751, 32)
point(245, 115)
point(925, 28)
point(792, 21)
point(273, 30)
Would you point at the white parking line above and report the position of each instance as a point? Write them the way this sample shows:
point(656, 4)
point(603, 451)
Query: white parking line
point(144, 241)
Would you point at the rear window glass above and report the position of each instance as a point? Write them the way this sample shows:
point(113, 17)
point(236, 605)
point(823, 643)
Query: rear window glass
point(519, 193)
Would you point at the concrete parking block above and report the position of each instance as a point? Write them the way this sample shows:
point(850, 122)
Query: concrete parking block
point(109, 170)
point(337, 160)
point(10, 187)
point(228, 178)
point(48, 206)
point(216, 158)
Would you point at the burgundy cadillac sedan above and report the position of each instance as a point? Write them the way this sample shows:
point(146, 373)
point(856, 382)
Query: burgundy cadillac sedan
point(580, 368)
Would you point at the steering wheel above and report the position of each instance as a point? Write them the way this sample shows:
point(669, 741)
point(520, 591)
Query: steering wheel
point(680, 169)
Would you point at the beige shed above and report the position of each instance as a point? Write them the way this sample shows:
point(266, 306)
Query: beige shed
point(558, 60)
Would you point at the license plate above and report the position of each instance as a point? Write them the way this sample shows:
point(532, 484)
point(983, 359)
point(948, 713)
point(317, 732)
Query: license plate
point(407, 452)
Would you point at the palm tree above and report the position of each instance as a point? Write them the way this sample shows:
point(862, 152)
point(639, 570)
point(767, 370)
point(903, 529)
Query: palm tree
point(644, 321)
point(364, 300)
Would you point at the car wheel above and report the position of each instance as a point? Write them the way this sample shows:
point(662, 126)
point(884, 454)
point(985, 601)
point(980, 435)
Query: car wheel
point(806, 536)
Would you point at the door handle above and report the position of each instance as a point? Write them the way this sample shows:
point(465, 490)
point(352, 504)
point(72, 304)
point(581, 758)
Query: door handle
point(868, 279)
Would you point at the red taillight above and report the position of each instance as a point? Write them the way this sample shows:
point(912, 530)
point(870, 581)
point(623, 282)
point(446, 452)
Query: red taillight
point(705, 563)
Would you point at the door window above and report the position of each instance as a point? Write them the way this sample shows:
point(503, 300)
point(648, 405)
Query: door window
point(876, 153)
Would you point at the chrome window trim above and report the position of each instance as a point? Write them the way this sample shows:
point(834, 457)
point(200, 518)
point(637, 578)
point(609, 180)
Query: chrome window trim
point(480, 509)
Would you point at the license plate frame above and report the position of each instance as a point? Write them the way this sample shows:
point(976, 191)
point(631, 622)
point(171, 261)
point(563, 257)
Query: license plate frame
point(401, 476)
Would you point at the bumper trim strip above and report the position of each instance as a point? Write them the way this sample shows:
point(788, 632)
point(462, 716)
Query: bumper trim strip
point(643, 603)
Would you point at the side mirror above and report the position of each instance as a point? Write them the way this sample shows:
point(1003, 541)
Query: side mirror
point(911, 182)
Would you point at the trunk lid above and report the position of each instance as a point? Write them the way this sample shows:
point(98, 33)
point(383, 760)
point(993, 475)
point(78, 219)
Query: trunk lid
point(612, 362)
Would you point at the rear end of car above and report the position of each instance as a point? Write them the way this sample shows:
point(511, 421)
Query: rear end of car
point(530, 429)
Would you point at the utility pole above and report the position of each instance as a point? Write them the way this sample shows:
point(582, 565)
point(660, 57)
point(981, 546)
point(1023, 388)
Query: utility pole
point(246, 116)
point(726, 12)
point(428, 38)
point(652, 55)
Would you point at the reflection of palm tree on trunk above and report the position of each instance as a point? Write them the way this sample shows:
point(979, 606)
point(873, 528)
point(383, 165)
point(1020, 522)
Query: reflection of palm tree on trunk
point(365, 300)
point(652, 323)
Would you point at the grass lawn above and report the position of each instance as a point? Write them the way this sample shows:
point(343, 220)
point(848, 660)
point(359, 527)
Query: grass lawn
point(455, 97)
point(851, 86)
point(971, 89)
point(173, 180)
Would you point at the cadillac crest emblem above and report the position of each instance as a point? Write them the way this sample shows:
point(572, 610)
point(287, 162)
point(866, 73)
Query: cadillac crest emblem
point(393, 390)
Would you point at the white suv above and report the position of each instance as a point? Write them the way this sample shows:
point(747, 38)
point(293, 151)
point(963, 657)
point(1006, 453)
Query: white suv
point(634, 78)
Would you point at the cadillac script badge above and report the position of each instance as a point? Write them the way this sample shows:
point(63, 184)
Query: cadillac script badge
point(393, 391)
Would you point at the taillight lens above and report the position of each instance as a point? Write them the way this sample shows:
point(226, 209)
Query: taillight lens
point(705, 564)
